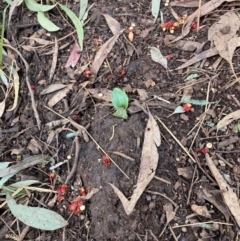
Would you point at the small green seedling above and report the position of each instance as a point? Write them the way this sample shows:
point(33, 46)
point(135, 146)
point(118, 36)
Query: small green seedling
point(120, 103)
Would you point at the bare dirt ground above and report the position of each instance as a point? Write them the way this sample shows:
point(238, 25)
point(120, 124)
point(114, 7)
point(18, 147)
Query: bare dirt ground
point(185, 200)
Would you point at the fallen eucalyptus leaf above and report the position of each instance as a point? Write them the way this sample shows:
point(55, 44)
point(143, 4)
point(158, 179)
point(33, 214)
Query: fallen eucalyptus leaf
point(228, 119)
point(149, 161)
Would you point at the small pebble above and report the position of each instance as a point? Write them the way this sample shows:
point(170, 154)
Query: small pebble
point(148, 197)
point(184, 229)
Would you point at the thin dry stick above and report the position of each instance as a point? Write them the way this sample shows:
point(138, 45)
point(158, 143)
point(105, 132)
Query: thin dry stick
point(162, 195)
point(98, 146)
point(74, 167)
point(23, 234)
point(201, 224)
point(199, 13)
point(190, 190)
point(175, 138)
point(28, 85)
point(162, 180)
point(173, 234)
point(203, 118)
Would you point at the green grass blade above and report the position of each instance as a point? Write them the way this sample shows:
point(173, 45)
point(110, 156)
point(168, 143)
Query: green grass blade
point(46, 23)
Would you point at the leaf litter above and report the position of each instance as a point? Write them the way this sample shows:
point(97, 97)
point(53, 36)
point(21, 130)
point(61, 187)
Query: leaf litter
point(149, 161)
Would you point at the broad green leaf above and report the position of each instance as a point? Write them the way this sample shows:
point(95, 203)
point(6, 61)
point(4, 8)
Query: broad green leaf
point(4, 165)
point(36, 217)
point(155, 8)
point(36, 7)
point(119, 99)
point(83, 8)
point(121, 113)
point(46, 23)
point(15, 76)
point(77, 23)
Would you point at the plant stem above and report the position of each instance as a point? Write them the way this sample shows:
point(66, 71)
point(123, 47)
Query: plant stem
point(2, 35)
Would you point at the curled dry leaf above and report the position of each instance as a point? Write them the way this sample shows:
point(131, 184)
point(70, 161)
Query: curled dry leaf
point(200, 210)
point(228, 119)
point(229, 196)
point(224, 35)
point(74, 56)
point(149, 161)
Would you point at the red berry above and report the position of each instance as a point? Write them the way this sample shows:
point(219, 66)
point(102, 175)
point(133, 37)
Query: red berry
point(60, 199)
point(32, 86)
point(204, 150)
point(106, 161)
point(187, 107)
point(83, 192)
point(52, 175)
point(62, 189)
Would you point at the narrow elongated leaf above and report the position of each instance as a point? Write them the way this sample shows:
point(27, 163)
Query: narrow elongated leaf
point(36, 217)
point(228, 119)
point(77, 24)
point(149, 162)
point(4, 165)
point(155, 8)
point(24, 183)
point(4, 78)
point(13, 6)
point(36, 7)
point(15, 76)
point(83, 8)
point(5, 179)
point(46, 23)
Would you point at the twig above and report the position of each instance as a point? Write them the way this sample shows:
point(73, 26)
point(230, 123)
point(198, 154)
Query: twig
point(23, 234)
point(74, 167)
point(192, 183)
point(173, 234)
point(98, 146)
point(195, 224)
point(28, 85)
point(175, 138)
point(162, 180)
point(162, 195)
point(199, 12)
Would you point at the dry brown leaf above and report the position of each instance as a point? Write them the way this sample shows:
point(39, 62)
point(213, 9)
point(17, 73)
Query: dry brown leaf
point(170, 214)
point(189, 45)
point(103, 52)
point(113, 24)
point(104, 94)
point(54, 61)
point(52, 88)
point(185, 4)
point(228, 119)
point(230, 197)
point(59, 95)
point(149, 161)
point(205, 9)
point(90, 194)
point(200, 210)
point(224, 35)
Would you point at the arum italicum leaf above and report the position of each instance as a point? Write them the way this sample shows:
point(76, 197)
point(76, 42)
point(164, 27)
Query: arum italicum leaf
point(36, 7)
point(119, 99)
point(77, 23)
point(46, 23)
point(36, 217)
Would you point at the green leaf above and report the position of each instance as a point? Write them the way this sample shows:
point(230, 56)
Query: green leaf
point(24, 183)
point(46, 23)
point(36, 7)
point(236, 128)
point(121, 113)
point(8, 1)
point(36, 217)
point(196, 102)
point(192, 76)
point(178, 110)
point(5, 179)
point(155, 8)
point(77, 24)
point(83, 8)
point(119, 99)
point(4, 165)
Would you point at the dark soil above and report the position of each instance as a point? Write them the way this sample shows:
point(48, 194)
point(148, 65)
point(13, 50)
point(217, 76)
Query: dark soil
point(104, 217)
